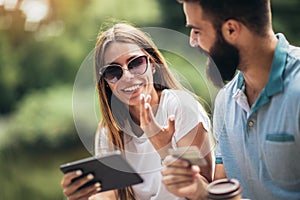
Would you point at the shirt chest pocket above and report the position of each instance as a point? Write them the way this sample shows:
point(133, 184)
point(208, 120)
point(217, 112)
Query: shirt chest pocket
point(282, 159)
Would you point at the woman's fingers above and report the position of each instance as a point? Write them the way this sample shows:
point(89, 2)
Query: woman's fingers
point(67, 179)
point(85, 192)
point(147, 118)
point(142, 108)
point(143, 113)
point(71, 185)
point(171, 124)
point(159, 136)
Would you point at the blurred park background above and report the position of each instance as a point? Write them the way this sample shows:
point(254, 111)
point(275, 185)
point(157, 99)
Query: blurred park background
point(42, 45)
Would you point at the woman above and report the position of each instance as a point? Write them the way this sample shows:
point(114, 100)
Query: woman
point(145, 111)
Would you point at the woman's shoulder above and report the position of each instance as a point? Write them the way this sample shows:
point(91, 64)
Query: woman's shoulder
point(176, 93)
point(178, 98)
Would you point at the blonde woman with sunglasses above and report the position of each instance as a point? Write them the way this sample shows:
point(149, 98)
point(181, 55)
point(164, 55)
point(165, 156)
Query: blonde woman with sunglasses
point(145, 111)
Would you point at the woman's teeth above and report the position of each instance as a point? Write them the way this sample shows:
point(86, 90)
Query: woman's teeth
point(132, 88)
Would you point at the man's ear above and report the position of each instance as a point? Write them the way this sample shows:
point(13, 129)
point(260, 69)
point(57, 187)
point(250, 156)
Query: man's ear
point(231, 30)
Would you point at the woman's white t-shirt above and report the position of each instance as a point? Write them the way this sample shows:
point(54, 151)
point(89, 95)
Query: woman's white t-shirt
point(140, 152)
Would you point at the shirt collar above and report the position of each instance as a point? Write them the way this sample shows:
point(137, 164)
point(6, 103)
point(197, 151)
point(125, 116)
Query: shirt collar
point(275, 82)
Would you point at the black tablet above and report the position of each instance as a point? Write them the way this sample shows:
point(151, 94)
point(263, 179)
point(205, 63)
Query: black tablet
point(111, 170)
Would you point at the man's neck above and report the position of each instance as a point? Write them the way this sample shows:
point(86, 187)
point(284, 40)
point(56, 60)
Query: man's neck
point(256, 63)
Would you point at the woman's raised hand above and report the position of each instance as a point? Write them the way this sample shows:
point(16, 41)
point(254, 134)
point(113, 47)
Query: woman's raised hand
point(159, 136)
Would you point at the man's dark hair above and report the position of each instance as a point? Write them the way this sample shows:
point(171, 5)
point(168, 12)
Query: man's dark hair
point(252, 13)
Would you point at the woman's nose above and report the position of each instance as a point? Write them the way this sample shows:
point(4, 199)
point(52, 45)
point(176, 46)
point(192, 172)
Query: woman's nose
point(127, 74)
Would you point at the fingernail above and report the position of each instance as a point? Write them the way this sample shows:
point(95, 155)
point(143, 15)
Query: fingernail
point(142, 96)
point(196, 168)
point(147, 105)
point(78, 172)
point(172, 117)
point(98, 189)
point(90, 176)
point(97, 185)
point(187, 164)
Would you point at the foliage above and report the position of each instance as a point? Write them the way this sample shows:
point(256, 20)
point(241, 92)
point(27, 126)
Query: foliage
point(38, 69)
point(284, 15)
point(44, 115)
point(38, 137)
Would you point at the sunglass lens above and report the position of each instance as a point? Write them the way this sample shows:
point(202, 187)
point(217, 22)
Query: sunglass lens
point(113, 73)
point(138, 65)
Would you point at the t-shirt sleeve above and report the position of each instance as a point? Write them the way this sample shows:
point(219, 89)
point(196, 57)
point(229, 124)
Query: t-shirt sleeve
point(188, 113)
point(218, 124)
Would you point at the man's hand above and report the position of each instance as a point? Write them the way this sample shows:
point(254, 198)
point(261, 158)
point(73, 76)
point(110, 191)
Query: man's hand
point(183, 180)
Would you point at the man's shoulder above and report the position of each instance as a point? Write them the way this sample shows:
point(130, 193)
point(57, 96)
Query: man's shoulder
point(232, 85)
point(229, 88)
point(294, 52)
point(292, 64)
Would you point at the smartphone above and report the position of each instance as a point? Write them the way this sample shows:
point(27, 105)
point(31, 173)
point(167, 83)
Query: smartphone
point(112, 171)
point(190, 153)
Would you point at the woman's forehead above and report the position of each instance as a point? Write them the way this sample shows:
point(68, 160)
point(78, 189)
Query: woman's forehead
point(120, 50)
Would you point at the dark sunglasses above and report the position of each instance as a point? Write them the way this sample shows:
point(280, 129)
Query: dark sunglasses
point(136, 66)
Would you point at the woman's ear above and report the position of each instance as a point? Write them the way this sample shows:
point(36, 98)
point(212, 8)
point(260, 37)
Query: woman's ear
point(153, 69)
point(231, 30)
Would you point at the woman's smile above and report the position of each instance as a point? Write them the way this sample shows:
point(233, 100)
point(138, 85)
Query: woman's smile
point(132, 88)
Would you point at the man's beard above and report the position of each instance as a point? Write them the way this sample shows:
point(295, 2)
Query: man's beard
point(223, 60)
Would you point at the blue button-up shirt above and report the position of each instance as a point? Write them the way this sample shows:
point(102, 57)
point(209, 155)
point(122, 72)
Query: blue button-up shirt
point(260, 146)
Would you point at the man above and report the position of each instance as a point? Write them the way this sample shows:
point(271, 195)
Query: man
point(257, 113)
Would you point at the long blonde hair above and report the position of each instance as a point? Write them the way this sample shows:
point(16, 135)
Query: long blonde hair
point(113, 122)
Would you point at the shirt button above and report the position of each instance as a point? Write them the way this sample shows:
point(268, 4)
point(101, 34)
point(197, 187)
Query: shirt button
point(250, 123)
